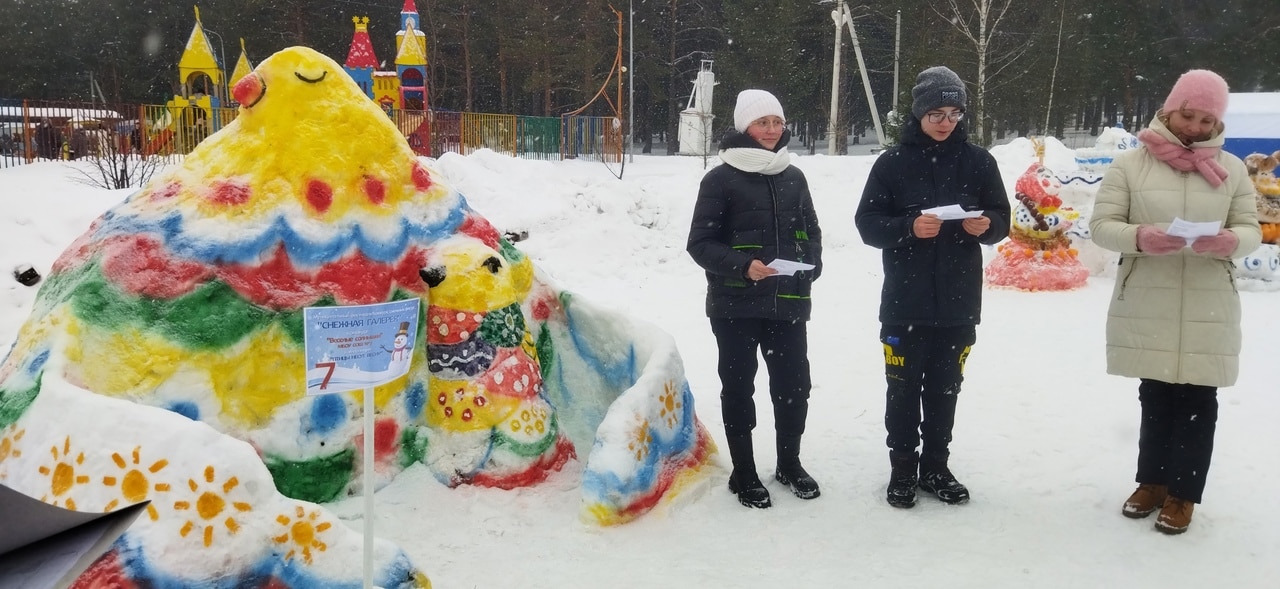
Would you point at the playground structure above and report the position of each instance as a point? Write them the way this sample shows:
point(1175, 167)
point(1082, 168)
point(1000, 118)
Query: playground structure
point(204, 105)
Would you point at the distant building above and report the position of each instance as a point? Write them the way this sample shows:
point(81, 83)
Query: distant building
point(406, 86)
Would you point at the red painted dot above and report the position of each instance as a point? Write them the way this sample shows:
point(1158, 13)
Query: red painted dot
point(320, 195)
point(466, 415)
point(421, 179)
point(230, 193)
point(376, 189)
point(442, 399)
point(167, 191)
point(448, 411)
point(480, 401)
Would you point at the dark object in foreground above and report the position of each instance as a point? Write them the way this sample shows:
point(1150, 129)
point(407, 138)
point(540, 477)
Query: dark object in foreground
point(514, 236)
point(26, 275)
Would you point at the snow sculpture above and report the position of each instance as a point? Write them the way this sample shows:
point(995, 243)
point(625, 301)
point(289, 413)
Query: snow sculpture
point(1260, 270)
point(1111, 142)
point(188, 297)
point(1262, 170)
point(1039, 254)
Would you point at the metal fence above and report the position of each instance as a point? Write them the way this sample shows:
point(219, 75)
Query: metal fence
point(56, 130)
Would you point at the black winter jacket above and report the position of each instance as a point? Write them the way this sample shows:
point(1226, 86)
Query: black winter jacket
point(742, 216)
point(934, 282)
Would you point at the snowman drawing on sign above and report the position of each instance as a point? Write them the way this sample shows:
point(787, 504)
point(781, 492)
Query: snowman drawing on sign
point(401, 348)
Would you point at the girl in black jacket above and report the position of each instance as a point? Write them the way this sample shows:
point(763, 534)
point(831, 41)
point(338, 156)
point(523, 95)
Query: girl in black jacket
point(751, 211)
point(932, 295)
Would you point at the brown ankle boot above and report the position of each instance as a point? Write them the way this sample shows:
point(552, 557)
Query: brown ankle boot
point(1145, 501)
point(1175, 516)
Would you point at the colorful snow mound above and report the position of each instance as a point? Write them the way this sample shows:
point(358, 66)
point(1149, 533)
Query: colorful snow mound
point(189, 295)
point(1039, 254)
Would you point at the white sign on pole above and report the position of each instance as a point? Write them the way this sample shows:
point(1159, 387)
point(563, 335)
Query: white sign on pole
point(360, 347)
point(351, 348)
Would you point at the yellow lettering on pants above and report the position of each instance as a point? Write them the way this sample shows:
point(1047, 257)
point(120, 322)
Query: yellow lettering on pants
point(892, 360)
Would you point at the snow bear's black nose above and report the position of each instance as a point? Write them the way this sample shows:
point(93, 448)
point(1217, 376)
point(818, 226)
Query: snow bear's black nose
point(433, 275)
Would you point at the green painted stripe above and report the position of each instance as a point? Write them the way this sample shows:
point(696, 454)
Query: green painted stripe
point(747, 247)
point(797, 297)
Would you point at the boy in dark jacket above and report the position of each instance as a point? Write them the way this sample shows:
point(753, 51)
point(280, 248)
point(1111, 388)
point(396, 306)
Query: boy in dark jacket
point(751, 211)
point(931, 300)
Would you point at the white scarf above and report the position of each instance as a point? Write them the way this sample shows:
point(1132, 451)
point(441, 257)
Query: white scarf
point(755, 159)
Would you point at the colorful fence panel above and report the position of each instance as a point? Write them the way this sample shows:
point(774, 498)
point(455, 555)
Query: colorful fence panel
point(591, 138)
point(482, 131)
point(446, 132)
point(37, 130)
point(538, 138)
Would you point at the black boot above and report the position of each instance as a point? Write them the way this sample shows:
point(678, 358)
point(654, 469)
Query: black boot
point(936, 478)
point(903, 479)
point(743, 481)
point(790, 472)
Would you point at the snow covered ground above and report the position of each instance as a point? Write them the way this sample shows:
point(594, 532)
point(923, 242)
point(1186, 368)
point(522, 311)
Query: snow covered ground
point(1045, 440)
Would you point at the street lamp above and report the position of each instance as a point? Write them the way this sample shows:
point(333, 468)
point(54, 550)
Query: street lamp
point(222, 67)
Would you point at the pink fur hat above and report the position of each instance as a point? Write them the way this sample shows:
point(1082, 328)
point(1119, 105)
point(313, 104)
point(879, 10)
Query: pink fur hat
point(1199, 90)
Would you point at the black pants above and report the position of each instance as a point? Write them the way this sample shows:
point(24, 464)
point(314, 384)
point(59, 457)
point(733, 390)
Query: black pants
point(924, 367)
point(1175, 443)
point(785, 346)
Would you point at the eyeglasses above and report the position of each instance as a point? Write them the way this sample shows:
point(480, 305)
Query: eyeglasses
point(936, 117)
point(768, 124)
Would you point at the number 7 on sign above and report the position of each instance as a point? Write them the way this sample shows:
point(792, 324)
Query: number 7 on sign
point(328, 366)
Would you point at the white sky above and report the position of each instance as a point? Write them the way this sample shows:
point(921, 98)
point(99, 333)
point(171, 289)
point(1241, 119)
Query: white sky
point(1045, 440)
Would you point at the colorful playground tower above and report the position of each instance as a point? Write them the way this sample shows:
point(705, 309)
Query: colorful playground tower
point(195, 112)
point(201, 77)
point(406, 87)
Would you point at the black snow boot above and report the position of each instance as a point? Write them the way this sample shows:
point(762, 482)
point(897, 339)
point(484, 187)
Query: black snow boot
point(743, 481)
point(790, 472)
point(936, 478)
point(903, 479)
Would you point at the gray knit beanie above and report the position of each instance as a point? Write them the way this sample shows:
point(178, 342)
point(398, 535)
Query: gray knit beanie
point(935, 88)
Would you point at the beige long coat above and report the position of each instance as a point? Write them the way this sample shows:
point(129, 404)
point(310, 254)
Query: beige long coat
point(1176, 317)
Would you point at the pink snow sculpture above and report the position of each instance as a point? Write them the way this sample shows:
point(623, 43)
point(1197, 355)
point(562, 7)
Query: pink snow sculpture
point(1038, 255)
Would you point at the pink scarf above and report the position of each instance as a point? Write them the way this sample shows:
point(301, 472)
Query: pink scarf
point(1184, 158)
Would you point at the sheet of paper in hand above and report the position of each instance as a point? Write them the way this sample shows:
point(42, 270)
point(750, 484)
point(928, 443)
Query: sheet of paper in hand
point(788, 267)
point(1190, 230)
point(951, 213)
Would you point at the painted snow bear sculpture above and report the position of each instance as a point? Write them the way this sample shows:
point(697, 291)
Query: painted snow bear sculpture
point(1039, 254)
point(1262, 170)
point(188, 297)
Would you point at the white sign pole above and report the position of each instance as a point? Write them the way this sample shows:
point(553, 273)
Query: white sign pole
point(345, 351)
point(368, 488)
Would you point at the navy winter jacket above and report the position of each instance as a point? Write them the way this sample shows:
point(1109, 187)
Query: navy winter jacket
point(742, 216)
point(935, 282)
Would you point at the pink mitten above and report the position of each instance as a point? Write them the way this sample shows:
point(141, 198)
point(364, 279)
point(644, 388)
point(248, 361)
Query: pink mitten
point(1220, 245)
point(1153, 240)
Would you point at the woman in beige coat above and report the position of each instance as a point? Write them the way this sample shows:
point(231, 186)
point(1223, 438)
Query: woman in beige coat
point(1174, 320)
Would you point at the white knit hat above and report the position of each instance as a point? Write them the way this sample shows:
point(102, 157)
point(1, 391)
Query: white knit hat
point(753, 104)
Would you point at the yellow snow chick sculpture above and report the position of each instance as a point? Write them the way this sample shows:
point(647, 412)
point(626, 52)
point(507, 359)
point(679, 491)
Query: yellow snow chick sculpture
point(308, 139)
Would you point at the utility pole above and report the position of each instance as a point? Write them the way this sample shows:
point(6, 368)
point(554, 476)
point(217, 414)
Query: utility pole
point(866, 81)
point(897, 42)
point(837, 15)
